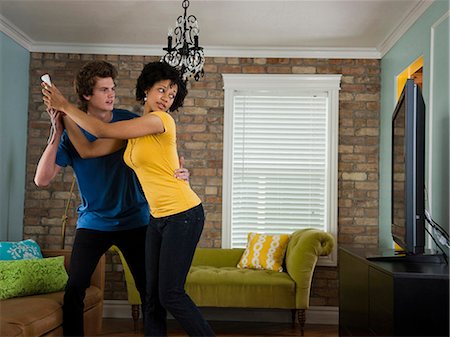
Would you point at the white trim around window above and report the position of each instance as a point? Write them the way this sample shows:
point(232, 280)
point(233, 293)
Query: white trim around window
point(260, 97)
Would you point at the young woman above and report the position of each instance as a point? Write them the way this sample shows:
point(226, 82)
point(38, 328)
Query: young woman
point(177, 216)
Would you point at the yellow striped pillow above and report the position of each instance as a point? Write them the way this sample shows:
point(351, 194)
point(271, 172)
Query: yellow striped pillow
point(264, 252)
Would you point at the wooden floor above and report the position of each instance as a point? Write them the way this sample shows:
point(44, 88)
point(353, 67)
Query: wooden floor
point(123, 327)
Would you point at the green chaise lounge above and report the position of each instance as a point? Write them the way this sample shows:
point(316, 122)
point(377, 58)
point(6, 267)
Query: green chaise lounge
point(214, 279)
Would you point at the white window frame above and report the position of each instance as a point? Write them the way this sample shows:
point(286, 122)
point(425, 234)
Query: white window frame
point(323, 83)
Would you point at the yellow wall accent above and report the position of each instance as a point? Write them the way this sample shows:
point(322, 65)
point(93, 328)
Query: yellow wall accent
point(407, 73)
point(401, 81)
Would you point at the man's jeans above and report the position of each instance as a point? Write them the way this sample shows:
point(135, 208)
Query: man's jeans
point(88, 247)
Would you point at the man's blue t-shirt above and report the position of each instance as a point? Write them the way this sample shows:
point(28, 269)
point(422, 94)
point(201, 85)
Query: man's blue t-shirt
point(111, 196)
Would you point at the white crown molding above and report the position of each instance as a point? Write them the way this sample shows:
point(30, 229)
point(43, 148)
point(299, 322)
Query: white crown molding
point(210, 51)
point(403, 27)
point(95, 48)
point(293, 52)
point(15, 33)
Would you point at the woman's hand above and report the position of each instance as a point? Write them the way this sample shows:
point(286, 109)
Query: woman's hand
point(53, 98)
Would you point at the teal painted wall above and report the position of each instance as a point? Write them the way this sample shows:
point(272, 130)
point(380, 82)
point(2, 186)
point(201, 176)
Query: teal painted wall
point(14, 79)
point(415, 43)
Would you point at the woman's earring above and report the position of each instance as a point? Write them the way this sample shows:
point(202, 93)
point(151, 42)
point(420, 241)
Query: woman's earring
point(145, 99)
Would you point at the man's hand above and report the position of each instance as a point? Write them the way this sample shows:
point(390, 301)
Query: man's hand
point(182, 173)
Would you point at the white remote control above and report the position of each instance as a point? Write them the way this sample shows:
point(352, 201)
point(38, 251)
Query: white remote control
point(46, 79)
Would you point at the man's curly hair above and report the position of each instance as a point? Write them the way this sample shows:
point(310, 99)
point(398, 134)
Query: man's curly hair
point(87, 78)
point(159, 71)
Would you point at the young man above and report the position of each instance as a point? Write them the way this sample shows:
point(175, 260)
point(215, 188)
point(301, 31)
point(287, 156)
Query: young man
point(113, 209)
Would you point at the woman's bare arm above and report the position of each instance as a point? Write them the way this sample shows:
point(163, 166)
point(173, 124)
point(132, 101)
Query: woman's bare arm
point(87, 149)
point(133, 128)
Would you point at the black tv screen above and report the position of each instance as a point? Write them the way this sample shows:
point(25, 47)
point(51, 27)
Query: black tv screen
point(408, 171)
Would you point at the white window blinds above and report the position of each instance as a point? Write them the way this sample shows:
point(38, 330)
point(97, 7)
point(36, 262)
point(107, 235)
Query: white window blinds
point(279, 164)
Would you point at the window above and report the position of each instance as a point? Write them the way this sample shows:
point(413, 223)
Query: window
point(280, 155)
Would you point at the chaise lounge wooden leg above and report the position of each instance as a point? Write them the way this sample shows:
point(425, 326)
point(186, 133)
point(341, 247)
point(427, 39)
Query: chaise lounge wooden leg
point(135, 311)
point(293, 315)
point(301, 314)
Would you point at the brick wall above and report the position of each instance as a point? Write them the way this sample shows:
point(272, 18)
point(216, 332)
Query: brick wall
point(200, 140)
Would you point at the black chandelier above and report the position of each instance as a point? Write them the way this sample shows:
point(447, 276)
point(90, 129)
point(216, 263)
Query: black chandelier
point(185, 54)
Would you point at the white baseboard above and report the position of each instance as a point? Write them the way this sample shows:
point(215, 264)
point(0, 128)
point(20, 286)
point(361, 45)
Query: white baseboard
point(116, 309)
point(314, 315)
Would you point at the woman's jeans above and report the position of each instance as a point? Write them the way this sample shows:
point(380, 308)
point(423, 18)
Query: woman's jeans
point(170, 247)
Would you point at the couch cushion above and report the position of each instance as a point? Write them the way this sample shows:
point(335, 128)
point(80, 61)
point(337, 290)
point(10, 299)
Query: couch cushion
point(264, 251)
point(58, 332)
point(93, 297)
point(29, 277)
point(21, 250)
point(246, 288)
point(34, 316)
point(9, 330)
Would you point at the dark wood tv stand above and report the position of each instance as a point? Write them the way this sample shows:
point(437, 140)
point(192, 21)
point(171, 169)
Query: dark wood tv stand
point(391, 296)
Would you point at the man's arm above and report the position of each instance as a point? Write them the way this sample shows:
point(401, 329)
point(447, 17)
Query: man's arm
point(182, 172)
point(87, 149)
point(47, 169)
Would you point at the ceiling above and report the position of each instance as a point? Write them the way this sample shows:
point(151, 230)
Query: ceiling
point(277, 28)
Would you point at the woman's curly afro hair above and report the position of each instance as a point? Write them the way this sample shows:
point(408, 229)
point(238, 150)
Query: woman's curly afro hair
point(160, 71)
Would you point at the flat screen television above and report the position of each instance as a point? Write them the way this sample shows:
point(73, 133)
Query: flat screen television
point(408, 171)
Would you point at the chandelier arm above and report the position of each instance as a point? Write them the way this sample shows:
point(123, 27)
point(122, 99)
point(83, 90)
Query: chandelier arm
point(185, 53)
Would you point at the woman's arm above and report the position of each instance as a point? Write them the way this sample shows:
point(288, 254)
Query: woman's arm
point(87, 149)
point(133, 128)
